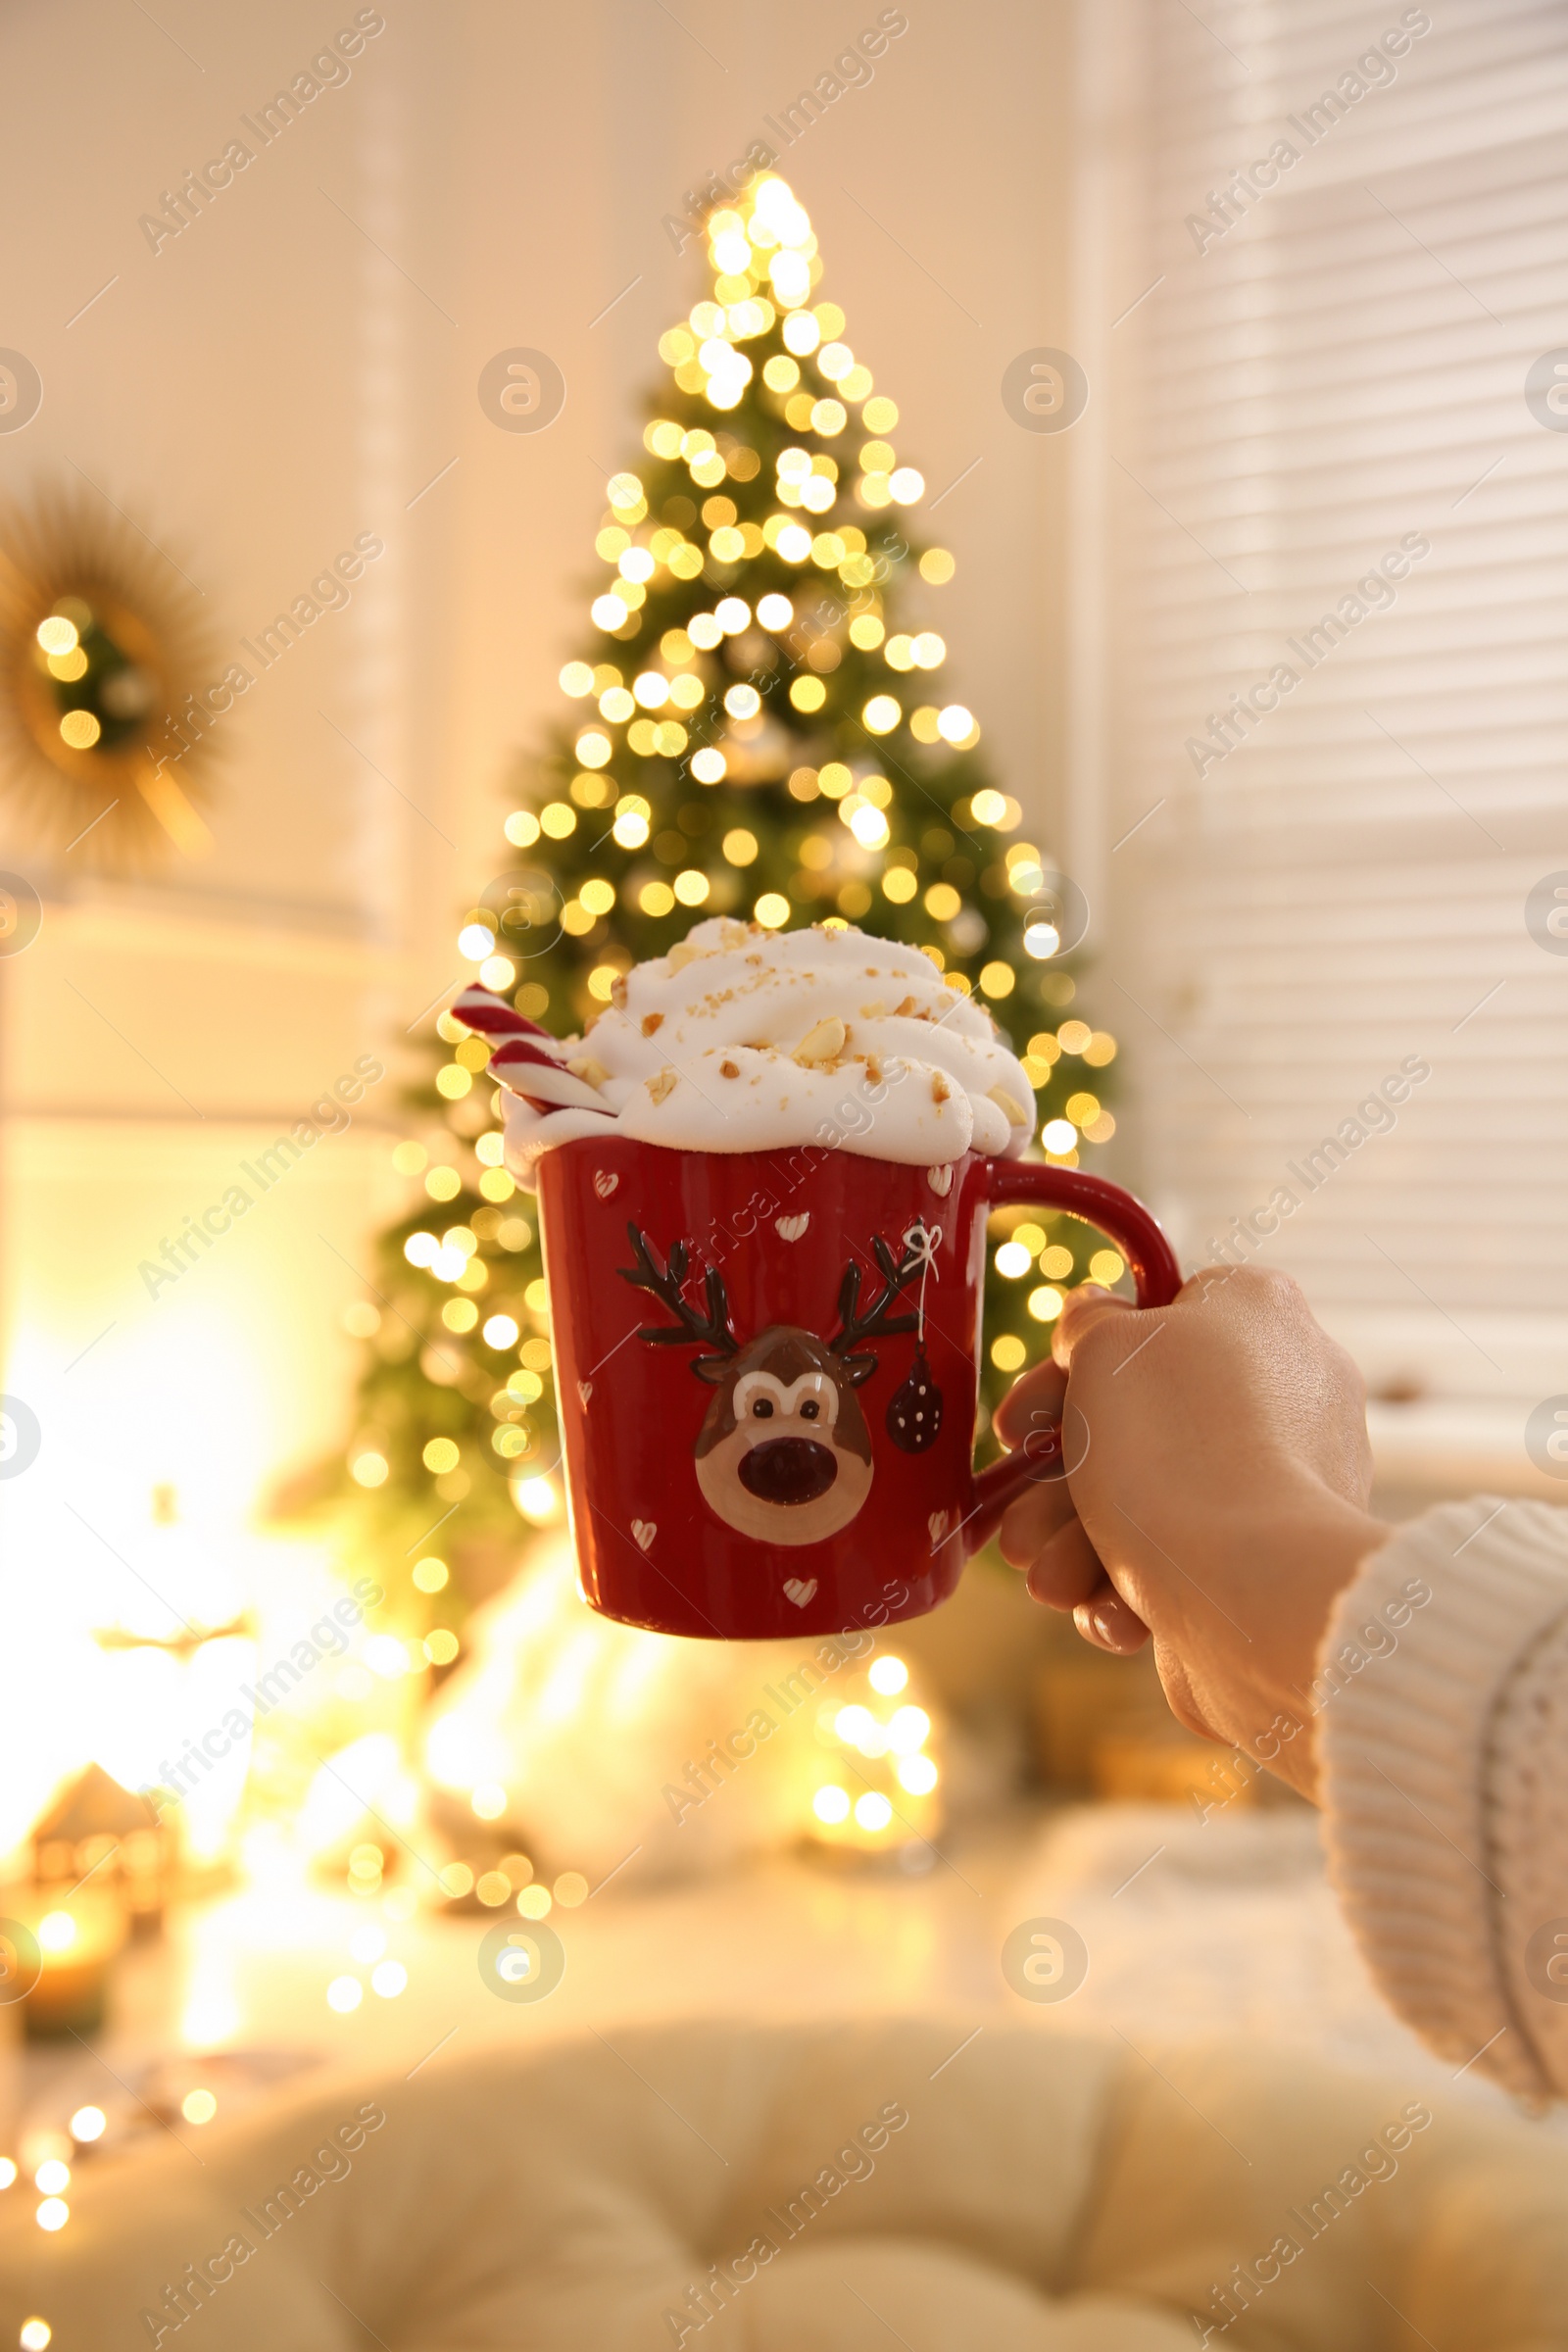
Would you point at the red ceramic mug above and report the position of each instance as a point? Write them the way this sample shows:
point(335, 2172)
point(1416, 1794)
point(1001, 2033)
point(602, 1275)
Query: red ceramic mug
point(768, 1364)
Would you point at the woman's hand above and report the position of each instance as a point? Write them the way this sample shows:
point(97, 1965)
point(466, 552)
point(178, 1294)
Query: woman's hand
point(1217, 1475)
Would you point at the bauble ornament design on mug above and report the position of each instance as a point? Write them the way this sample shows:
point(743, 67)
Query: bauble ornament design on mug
point(784, 1453)
point(914, 1415)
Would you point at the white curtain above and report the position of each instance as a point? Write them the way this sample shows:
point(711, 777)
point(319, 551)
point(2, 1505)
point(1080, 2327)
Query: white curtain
point(1325, 276)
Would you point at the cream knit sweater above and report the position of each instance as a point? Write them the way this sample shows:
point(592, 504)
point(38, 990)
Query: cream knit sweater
point(1441, 1706)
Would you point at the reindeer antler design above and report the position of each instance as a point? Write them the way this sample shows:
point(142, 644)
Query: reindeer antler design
point(665, 1284)
point(876, 1322)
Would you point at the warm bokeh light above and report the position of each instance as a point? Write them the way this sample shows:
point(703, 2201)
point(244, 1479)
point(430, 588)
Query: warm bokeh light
point(908, 1730)
point(536, 1498)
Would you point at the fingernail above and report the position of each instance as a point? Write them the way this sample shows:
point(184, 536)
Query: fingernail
point(1097, 1619)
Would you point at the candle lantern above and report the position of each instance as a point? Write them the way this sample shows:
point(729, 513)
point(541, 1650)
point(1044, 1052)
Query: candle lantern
point(100, 1831)
point(62, 1955)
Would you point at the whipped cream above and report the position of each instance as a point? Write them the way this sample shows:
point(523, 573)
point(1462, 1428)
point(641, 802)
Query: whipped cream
point(746, 1040)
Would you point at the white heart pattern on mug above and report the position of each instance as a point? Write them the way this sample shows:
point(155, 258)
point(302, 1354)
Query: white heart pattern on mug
point(645, 1530)
point(604, 1181)
point(789, 1229)
point(938, 1525)
point(585, 1388)
point(939, 1180)
point(799, 1590)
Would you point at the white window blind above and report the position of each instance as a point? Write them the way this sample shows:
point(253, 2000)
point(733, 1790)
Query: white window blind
point(1336, 383)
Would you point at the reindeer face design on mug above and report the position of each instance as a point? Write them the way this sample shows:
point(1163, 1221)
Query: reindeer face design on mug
point(784, 1453)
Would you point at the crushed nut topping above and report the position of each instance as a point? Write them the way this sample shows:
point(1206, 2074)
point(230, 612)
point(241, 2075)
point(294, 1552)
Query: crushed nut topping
point(823, 1040)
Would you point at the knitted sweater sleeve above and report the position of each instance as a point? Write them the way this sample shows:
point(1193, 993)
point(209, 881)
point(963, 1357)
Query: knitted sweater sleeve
point(1441, 1704)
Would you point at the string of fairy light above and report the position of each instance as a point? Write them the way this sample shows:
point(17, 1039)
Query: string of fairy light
point(765, 257)
point(774, 493)
point(673, 712)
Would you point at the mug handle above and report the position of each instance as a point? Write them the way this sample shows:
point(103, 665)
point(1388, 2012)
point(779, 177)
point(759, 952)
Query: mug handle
point(1154, 1271)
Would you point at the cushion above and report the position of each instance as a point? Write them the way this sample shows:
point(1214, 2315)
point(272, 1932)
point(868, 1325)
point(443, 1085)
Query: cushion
point(845, 2187)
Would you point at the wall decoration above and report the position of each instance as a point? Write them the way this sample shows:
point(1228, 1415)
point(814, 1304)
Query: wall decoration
point(104, 647)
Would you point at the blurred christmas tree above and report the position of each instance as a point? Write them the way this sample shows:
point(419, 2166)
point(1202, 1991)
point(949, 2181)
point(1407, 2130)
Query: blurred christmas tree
point(759, 733)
